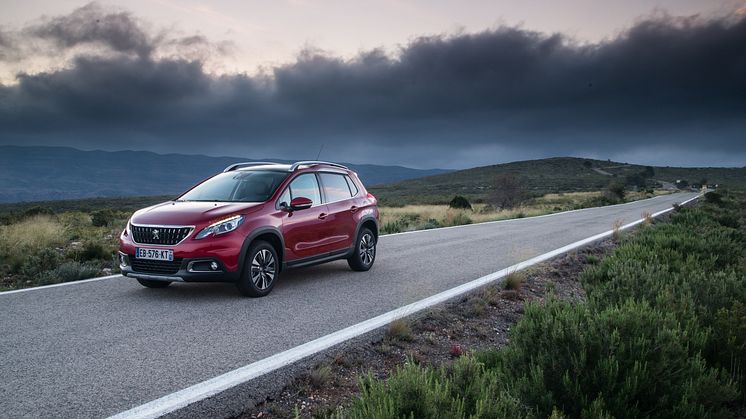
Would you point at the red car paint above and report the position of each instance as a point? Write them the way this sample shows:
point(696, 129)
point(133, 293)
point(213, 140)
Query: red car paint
point(307, 235)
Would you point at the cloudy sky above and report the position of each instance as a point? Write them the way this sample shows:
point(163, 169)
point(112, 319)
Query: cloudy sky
point(448, 84)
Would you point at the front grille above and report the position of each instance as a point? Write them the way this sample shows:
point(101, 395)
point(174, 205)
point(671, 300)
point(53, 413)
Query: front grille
point(155, 266)
point(159, 235)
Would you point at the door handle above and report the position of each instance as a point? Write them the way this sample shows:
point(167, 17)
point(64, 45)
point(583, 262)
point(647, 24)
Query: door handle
point(322, 216)
point(353, 208)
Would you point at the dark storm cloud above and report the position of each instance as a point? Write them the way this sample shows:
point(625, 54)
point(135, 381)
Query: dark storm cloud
point(92, 24)
point(673, 85)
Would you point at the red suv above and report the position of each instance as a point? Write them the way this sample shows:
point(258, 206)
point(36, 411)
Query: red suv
point(250, 222)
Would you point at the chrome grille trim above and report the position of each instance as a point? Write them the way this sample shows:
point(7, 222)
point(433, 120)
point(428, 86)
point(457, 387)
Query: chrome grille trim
point(172, 234)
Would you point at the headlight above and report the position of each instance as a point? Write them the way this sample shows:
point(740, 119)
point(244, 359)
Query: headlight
point(221, 227)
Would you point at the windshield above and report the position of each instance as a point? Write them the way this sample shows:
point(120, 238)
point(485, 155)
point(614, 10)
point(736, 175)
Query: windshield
point(239, 186)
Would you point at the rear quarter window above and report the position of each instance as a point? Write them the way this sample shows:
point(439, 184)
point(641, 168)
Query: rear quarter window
point(353, 188)
point(335, 187)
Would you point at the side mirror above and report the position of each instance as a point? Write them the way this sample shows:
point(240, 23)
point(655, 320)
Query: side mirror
point(300, 203)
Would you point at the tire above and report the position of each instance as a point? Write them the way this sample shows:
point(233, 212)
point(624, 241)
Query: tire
point(153, 284)
point(364, 253)
point(260, 271)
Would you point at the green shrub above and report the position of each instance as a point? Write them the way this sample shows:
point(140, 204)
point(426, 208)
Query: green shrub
point(431, 223)
point(37, 210)
point(714, 198)
point(615, 191)
point(39, 262)
point(320, 376)
point(103, 218)
point(391, 227)
point(628, 361)
point(75, 271)
point(693, 267)
point(95, 251)
point(459, 202)
point(663, 334)
point(465, 391)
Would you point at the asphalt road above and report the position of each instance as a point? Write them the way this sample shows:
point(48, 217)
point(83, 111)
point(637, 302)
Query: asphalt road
point(98, 348)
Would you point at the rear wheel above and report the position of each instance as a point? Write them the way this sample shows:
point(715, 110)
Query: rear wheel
point(153, 284)
point(260, 270)
point(365, 251)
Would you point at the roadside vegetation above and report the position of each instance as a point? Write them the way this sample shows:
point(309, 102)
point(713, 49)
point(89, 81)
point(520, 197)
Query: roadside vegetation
point(60, 241)
point(459, 211)
point(662, 333)
point(536, 178)
point(41, 247)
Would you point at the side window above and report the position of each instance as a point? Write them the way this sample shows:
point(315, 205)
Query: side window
point(306, 186)
point(353, 187)
point(335, 187)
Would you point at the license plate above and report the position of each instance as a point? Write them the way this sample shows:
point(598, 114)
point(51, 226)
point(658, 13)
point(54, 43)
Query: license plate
point(154, 254)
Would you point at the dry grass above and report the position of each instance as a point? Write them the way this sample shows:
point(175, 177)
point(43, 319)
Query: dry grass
point(320, 376)
point(39, 232)
point(647, 218)
point(616, 230)
point(418, 217)
point(399, 330)
point(514, 281)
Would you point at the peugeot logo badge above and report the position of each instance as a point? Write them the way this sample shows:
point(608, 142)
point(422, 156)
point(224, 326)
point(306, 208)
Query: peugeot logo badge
point(155, 234)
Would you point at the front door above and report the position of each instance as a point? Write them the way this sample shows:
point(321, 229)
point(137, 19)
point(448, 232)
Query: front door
point(306, 231)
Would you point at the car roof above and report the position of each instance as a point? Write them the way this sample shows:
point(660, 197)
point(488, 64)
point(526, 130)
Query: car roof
point(305, 164)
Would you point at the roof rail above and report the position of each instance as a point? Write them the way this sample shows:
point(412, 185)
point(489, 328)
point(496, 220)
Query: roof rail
point(246, 164)
point(297, 164)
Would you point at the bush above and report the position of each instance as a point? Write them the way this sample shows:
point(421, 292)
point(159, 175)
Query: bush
point(509, 191)
point(692, 266)
point(459, 202)
point(95, 251)
point(103, 218)
point(37, 210)
point(627, 361)
point(320, 376)
point(714, 198)
point(465, 391)
point(40, 262)
point(663, 334)
point(615, 191)
point(430, 224)
point(75, 271)
point(391, 227)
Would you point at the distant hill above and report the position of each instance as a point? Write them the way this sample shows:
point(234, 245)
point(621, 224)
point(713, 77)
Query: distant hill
point(52, 173)
point(559, 174)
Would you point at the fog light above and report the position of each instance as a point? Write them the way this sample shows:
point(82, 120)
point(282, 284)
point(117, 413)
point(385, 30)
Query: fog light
point(123, 260)
point(214, 266)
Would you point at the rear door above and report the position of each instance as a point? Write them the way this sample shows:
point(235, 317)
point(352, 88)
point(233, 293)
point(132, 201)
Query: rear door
point(342, 209)
point(306, 232)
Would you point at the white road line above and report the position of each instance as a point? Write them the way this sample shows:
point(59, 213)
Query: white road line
point(101, 278)
point(213, 386)
point(62, 284)
point(524, 218)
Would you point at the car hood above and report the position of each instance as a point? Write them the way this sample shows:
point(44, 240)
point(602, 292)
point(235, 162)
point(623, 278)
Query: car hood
point(190, 213)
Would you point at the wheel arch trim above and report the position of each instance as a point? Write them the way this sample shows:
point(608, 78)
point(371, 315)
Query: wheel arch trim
point(252, 237)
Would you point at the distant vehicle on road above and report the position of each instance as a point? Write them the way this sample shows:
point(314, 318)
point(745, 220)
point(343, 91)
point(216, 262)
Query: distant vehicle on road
point(249, 223)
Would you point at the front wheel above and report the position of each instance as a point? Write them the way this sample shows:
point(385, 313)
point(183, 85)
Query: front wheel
point(260, 270)
point(153, 284)
point(365, 251)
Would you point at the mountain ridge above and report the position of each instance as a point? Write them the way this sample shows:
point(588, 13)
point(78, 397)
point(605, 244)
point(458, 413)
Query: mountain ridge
point(41, 173)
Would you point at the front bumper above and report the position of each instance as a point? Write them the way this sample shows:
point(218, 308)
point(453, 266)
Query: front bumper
point(185, 270)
